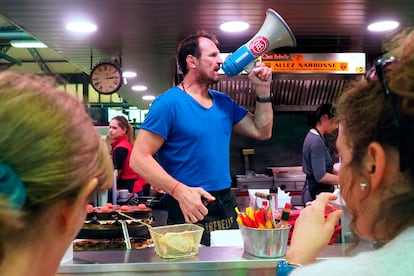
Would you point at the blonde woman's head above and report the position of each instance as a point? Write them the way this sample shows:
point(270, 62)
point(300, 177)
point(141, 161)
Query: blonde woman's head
point(49, 150)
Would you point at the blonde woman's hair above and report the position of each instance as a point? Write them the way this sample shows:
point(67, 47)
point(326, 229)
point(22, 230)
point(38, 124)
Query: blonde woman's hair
point(49, 141)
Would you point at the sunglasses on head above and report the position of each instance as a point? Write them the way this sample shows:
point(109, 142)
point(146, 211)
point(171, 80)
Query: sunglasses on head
point(377, 72)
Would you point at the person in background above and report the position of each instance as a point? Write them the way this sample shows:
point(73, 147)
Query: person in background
point(375, 141)
point(52, 160)
point(189, 128)
point(317, 161)
point(121, 134)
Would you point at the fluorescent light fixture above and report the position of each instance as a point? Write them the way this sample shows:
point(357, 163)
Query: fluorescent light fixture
point(148, 97)
point(27, 44)
point(129, 74)
point(81, 27)
point(382, 26)
point(139, 88)
point(234, 26)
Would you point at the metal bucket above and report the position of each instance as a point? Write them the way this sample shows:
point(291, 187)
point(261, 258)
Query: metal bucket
point(265, 243)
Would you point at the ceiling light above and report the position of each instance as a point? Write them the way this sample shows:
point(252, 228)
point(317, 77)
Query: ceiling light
point(129, 74)
point(27, 44)
point(234, 26)
point(148, 97)
point(139, 88)
point(81, 27)
point(382, 26)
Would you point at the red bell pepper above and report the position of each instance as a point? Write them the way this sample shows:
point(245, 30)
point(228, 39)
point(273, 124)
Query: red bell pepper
point(247, 221)
point(260, 219)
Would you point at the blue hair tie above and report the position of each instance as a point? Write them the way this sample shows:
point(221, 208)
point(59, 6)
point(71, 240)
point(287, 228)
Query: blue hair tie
point(11, 187)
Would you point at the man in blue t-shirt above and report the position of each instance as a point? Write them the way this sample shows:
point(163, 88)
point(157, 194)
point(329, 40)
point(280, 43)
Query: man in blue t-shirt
point(189, 127)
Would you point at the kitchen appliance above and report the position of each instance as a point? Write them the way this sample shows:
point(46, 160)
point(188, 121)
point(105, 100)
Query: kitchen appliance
point(257, 181)
point(291, 180)
point(250, 180)
point(153, 202)
point(111, 229)
point(106, 222)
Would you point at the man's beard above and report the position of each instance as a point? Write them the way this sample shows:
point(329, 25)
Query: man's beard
point(214, 81)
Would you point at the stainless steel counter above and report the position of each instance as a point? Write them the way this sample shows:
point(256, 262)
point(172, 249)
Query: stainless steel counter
point(210, 261)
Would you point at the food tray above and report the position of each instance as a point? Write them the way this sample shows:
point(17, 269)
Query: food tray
point(109, 244)
point(111, 213)
point(110, 229)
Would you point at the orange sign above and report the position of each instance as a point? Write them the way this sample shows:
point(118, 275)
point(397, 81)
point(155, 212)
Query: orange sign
point(316, 63)
point(313, 66)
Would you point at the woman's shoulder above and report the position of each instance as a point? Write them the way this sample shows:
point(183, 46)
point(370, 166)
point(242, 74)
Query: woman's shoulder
point(384, 261)
point(122, 144)
point(313, 138)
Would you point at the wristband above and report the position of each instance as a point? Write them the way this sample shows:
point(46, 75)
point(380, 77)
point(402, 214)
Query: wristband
point(265, 99)
point(284, 268)
point(175, 187)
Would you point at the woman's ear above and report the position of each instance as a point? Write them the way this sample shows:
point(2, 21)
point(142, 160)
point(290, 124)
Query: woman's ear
point(70, 213)
point(375, 164)
point(87, 190)
point(324, 117)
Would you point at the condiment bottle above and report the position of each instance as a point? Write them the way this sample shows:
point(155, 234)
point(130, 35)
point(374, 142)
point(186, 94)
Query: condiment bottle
point(273, 201)
point(285, 216)
point(269, 218)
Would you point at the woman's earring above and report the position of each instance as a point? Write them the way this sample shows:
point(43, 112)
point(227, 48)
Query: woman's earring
point(363, 186)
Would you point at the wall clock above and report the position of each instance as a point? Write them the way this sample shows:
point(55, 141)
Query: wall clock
point(106, 78)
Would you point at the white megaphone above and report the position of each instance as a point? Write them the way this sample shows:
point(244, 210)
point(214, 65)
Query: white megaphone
point(274, 33)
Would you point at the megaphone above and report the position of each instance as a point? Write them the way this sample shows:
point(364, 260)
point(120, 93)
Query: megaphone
point(274, 33)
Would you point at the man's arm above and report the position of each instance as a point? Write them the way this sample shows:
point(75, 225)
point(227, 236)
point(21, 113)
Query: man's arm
point(143, 162)
point(259, 125)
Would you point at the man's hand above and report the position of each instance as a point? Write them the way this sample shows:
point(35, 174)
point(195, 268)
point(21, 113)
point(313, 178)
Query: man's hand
point(261, 76)
point(191, 204)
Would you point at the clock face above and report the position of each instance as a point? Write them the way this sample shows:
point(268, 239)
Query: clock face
point(106, 78)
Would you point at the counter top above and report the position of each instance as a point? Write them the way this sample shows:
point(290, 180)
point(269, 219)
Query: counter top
point(210, 261)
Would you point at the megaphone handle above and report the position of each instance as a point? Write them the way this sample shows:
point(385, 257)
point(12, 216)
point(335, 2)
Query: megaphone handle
point(249, 67)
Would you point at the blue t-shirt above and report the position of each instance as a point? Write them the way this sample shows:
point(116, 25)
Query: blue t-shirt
point(196, 150)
